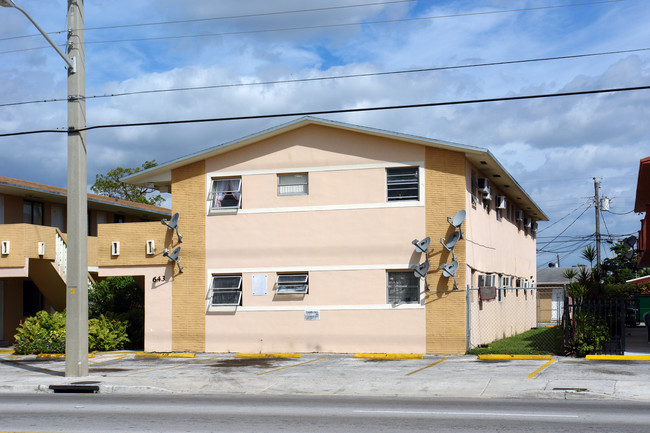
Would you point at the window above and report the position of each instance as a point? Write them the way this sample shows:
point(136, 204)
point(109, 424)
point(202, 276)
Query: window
point(118, 218)
point(402, 287)
point(225, 193)
point(403, 183)
point(225, 290)
point(33, 212)
point(293, 184)
point(292, 284)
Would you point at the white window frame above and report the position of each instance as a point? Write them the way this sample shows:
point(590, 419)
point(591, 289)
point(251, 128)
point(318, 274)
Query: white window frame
point(405, 183)
point(401, 300)
point(234, 188)
point(233, 289)
point(292, 284)
point(296, 184)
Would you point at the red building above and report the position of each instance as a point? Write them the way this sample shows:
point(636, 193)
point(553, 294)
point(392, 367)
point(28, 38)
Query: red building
point(642, 204)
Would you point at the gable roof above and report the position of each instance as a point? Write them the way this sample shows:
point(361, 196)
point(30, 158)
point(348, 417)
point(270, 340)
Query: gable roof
point(159, 177)
point(39, 191)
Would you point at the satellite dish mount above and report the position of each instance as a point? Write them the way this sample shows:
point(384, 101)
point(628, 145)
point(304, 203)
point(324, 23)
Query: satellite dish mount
point(173, 225)
point(174, 257)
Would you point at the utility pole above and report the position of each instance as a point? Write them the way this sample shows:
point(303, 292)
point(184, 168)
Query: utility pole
point(597, 207)
point(76, 335)
point(76, 344)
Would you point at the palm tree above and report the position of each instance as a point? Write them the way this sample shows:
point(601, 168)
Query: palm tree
point(589, 254)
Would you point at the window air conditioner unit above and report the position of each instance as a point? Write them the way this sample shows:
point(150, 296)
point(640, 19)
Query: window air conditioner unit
point(519, 215)
point(527, 222)
point(534, 226)
point(484, 185)
point(501, 202)
point(487, 196)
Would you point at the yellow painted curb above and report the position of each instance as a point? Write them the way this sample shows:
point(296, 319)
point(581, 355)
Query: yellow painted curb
point(267, 355)
point(57, 355)
point(388, 355)
point(165, 355)
point(620, 357)
point(526, 357)
point(6, 352)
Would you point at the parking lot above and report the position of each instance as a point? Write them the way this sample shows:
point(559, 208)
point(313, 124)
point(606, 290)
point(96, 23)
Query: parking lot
point(336, 374)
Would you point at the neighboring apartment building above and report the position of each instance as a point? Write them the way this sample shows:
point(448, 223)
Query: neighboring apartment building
point(300, 238)
point(33, 250)
point(642, 205)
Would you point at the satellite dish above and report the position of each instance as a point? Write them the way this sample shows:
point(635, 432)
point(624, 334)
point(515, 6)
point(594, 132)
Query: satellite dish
point(450, 243)
point(422, 246)
point(174, 257)
point(458, 219)
point(449, 270)
point(628, 255)
point(629, 242)
point(173, 225)
point(421, 270)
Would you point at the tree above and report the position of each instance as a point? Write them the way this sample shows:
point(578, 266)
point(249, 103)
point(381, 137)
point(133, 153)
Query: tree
point(110, 185)
point(589, 254)
point(622, 266)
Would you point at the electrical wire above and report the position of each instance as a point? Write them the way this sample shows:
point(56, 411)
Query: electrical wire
point(556, 222)
point(336, 111)
point(567, 227)
point(336, 77)
point(322, 26)
point(194, 20)
point(624, 213)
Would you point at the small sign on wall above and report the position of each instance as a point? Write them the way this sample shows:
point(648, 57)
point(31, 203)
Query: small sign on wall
point(259, 284)
point(312, 315)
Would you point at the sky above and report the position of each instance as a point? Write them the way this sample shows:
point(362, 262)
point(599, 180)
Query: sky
point(554, 147)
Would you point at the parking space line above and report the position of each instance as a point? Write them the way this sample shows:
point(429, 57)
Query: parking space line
point(290, 366)
point(96, 362)
point(424, 368)
point(536, 372)
point(266, 355)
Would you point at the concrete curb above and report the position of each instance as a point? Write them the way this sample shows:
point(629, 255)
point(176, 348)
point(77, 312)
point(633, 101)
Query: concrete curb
point(267, 355)
point(517, 357)
point(388, 355)
point(165, 355)
point(619, 357)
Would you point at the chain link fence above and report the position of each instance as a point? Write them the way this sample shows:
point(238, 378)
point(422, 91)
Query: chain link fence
point(522, 320)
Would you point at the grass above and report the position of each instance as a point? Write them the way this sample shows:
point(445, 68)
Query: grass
point(537, 341)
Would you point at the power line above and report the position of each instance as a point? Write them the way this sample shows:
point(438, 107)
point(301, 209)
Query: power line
point(567, 227)
point(194, 20)
point(565, 216)
point(337, 111)
point(338, 25)
point(335, 77)
point(322, 26)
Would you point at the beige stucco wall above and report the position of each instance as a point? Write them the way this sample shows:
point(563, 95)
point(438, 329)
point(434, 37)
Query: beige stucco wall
point(343, 233)
point(157, 302)
point(497, 246)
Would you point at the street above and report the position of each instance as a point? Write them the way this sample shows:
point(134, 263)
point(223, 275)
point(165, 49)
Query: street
point(242, 413)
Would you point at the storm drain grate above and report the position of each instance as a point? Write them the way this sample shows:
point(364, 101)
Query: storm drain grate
point(76, 388)
point(571, 389)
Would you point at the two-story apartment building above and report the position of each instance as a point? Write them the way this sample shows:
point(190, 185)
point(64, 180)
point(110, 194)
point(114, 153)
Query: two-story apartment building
point(33, 245)
point(301, 238)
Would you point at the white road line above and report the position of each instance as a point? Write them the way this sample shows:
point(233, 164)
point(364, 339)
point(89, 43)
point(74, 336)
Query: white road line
point(492, 414)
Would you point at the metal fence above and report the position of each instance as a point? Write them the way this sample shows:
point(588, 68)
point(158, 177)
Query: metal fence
point(527, 319)
point(596, 326)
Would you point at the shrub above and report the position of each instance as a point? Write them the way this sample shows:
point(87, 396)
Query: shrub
point(589, 334)
point(45, 333)
point(106, 334)
point(42, 333)
point(122, 299)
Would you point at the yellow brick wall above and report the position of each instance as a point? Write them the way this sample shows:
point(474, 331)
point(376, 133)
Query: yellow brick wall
point(188, 293)
point(445, 307)
point(23, 243)
point(133, 239)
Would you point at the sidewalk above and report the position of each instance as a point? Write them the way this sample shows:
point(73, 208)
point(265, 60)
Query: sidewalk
point(334, 374)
